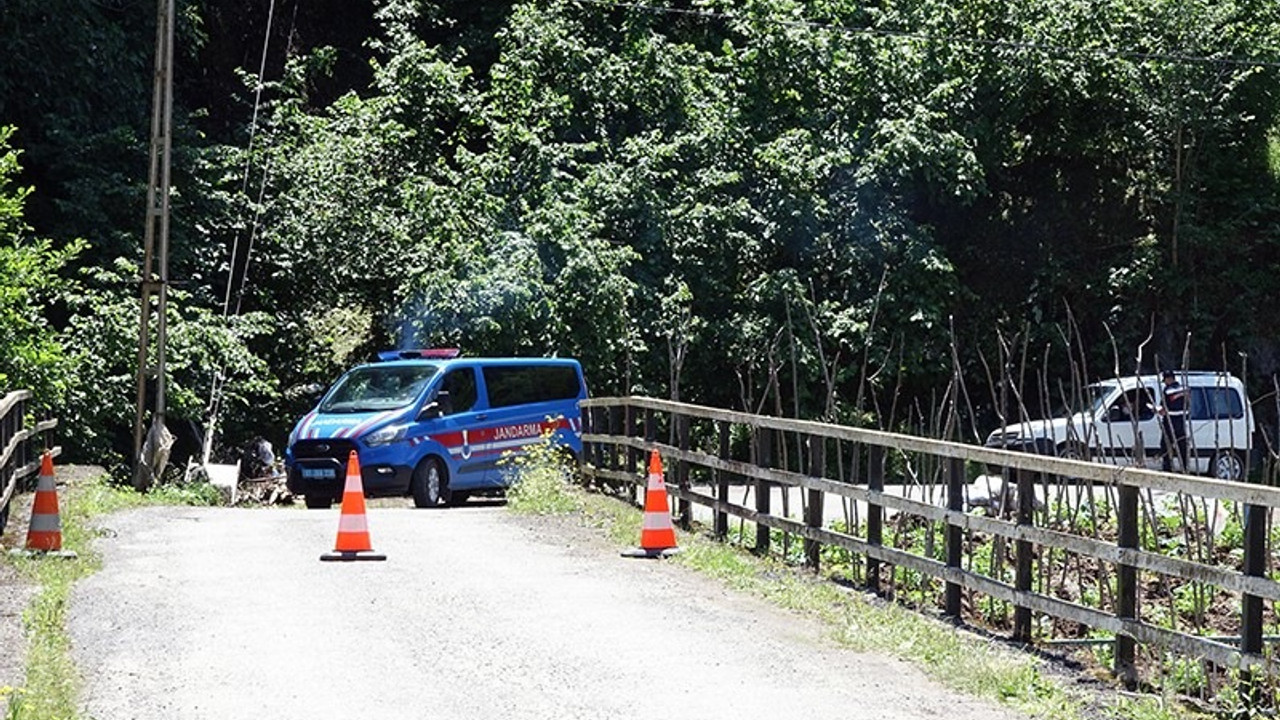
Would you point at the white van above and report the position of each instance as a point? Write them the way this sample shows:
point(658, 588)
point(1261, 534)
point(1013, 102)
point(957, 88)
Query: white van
point(1123, 411)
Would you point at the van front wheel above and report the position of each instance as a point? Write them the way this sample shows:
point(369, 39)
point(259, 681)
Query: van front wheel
point(430, 483)
point(1071, 450)
point(1227, 465)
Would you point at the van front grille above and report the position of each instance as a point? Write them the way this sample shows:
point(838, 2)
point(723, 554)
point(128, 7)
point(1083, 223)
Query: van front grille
point(338, 449)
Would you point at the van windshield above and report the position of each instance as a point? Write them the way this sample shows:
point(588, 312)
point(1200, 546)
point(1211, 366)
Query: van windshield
point(376, 388)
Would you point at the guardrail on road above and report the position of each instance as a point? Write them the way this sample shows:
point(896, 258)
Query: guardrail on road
point(22, 440)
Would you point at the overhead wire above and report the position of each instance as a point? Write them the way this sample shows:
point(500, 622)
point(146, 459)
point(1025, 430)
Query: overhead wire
point(218, 384)
point(1045, 48)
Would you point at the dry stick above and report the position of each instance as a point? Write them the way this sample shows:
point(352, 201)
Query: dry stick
point(781, 444)
point(771, 383)
point(1196, 550)
point(1080, 381)
point(996, 403)
point(863, 380)
point(745, 393)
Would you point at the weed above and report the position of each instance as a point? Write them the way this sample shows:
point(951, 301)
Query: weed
point(541, 478)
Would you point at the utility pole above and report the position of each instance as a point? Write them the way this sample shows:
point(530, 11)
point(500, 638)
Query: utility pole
point(155, 266)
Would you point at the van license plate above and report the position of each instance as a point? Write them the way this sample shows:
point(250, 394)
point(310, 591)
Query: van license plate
point(318, 473)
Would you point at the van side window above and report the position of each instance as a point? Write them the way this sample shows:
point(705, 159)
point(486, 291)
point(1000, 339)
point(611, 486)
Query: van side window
point(523, 384)
point(1212, 403)
point(1137, 401)
point(461, 384)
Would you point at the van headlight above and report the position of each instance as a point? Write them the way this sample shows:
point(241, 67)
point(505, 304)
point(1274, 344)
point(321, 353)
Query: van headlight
point(385, 436)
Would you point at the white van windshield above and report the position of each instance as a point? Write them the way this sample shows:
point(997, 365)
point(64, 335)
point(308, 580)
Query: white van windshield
point(379, 387)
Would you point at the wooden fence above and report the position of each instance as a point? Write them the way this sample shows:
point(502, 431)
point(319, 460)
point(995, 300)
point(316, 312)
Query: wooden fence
point(22, 440)
point(732, 448)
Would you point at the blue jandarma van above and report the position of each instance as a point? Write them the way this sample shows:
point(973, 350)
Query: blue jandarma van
point(433, 425)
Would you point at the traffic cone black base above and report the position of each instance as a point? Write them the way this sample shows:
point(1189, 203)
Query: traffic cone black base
point(64, 554)
point(351, 556)
point(643, 553)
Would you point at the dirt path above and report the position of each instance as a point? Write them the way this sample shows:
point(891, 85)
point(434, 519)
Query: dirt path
point(218, 613)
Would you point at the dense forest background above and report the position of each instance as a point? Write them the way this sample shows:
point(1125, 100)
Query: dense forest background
point(826, 209)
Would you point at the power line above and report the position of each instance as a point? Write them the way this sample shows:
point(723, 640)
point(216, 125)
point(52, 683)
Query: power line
point(220, 380)
point(960, 40)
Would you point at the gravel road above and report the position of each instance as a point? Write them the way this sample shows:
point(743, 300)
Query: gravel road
point(228, 613)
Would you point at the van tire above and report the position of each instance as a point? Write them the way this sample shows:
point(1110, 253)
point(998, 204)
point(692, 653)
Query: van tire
point(318, 502)
point(430, 483)
point(1227, 465)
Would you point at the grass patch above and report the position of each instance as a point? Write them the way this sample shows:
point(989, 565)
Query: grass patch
point(52, 684)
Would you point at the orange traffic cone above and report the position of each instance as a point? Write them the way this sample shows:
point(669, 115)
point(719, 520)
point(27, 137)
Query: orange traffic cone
point(353, 530)
point(657, 535)
point(44, 535)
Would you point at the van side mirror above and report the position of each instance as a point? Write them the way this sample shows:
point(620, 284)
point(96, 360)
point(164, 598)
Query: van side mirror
point(1118, 414)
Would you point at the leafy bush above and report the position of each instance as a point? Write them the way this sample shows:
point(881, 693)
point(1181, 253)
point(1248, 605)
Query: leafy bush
point(30, 355)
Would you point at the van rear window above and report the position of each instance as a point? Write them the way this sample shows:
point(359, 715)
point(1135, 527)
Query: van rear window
point(524, 384)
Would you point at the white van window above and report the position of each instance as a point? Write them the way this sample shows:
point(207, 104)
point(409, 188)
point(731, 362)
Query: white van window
point(1213, 403)
point(1132, 404)
point(523, 384)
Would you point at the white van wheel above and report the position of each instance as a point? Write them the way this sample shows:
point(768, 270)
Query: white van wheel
point(1227, 465)
point(1071, 450)
point(430, 483)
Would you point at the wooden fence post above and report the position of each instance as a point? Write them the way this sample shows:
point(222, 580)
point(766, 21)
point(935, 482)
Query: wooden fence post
point(722, 483)
point(682, 471)
point(629, 429)
point(875, 513)
point(588, 448)
point(954, 534)
point(817, 468)
point(1126, 583)
point(1255, 565)
point(614, 461)
point(19, 415)
point(650, 436)
point(1022, 554)
point(764, 458)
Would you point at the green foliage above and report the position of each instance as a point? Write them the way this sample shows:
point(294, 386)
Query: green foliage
point(748, 211)
point(102, 344)
point(30, 355)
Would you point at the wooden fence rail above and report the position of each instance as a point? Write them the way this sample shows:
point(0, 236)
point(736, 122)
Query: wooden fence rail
point(772, 453)
point(22, 440)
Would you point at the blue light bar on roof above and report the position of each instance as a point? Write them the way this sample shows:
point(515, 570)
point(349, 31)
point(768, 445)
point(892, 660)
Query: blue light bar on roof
point(425, 354)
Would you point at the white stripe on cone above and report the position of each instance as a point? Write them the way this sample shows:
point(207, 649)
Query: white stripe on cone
point(45, 523)
point(352, 523)
point(656, 521)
